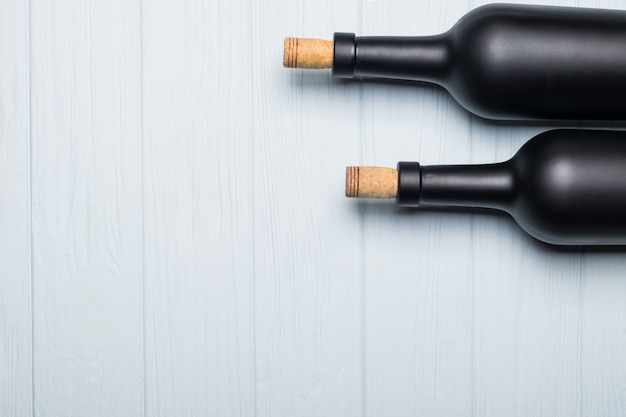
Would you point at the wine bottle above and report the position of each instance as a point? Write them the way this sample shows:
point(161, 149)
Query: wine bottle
point(564, 187)
point(500, 61)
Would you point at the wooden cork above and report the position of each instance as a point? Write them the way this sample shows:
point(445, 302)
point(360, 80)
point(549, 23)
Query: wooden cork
point(371, 182)
point(308, 53)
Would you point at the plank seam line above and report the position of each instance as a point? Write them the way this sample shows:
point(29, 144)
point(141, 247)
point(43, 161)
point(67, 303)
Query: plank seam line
point(31, 275)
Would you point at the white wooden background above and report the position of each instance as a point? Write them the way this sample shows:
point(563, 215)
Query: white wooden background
point(174, 240)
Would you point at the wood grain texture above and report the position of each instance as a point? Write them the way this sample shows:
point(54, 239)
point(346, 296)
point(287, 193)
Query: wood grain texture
point(86, 208)
point(193, 252)
point(603, 326)
point(419, 265)
point(535, 350)
point(308, 270)
point(15, 285)
point(465, 314)
point(198, 207)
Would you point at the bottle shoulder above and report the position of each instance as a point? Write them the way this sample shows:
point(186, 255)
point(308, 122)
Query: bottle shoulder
point(572, 186)
point(539, 62)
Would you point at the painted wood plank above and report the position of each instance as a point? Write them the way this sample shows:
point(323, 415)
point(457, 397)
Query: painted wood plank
point(527, 300)
point(465, 314)
point(602, 347)
point(198, 208)
point(15, 303)
point(86, 171)
point(266, 291)
point(531, 310)
point(308, 265)
point(418, 265)
point(602, 322)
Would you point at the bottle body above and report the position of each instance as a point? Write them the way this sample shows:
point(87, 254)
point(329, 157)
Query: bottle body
point(564, 187)
point(509, 62)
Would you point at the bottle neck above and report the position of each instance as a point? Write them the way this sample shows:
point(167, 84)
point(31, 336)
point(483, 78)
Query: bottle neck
point(408, 58)
point(486, 186)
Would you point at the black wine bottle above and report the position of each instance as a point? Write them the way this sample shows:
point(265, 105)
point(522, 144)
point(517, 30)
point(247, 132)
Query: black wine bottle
point(501, 61)
point(564, 187)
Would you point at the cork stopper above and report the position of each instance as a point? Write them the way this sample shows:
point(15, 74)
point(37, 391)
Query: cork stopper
point(371, 182)
point(308, 53)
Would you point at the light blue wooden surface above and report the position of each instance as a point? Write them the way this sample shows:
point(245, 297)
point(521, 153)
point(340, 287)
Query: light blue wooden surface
point(174, 239)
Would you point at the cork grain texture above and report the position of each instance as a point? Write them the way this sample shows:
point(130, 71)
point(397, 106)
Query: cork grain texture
point(307, 53)
point(371, 182)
